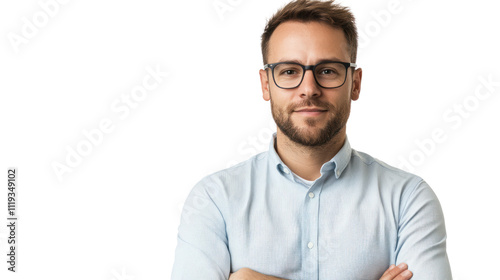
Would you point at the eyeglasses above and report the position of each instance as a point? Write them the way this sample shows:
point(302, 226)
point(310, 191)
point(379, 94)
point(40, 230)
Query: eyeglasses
point(328, 74)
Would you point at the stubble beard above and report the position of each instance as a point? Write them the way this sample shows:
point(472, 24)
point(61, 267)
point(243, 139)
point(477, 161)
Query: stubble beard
point(336, 121)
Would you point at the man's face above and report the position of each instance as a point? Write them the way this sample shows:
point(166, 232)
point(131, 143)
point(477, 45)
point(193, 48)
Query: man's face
point(309, 114)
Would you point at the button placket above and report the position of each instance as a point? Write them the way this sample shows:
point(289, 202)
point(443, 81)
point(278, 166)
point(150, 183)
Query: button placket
point(310, 230)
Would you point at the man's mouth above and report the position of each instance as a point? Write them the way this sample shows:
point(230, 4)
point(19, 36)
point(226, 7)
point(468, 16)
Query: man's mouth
point(312, 111)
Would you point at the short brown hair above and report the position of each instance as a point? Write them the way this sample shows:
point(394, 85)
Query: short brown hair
point(313, 10)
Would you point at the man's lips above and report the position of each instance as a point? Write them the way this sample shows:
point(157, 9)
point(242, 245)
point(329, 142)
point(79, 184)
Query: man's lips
point(310, 111)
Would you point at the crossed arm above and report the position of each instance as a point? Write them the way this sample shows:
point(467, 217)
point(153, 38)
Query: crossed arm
point(399, 272)
point(202, 241)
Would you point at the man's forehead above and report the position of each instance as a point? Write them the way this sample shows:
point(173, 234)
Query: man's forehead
point(301, 61)
point(296, 41)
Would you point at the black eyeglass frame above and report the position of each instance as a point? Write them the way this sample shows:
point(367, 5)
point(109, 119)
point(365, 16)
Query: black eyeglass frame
point(347, 65)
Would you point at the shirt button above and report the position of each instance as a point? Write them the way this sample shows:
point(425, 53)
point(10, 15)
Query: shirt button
point(310, 245)
point(286, 171)
point(311, 194)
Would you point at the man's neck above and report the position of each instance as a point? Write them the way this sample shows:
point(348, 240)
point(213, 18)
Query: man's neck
point(306, 161)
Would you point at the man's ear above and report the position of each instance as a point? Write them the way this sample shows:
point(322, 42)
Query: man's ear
point(356, 84)
point(264, 82)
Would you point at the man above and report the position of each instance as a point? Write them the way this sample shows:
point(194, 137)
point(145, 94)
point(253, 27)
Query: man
point(311, 207)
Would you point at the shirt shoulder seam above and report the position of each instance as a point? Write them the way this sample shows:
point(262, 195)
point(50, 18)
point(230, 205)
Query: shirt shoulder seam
point(383, 165)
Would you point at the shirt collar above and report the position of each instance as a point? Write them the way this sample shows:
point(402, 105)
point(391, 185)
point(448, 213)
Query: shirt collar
point(338, 163)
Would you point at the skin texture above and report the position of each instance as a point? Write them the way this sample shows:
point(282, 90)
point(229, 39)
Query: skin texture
point(305, 141)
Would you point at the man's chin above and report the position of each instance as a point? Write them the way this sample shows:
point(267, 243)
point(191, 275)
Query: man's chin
point(310, 126)
point(309, 123)
point(307, 136)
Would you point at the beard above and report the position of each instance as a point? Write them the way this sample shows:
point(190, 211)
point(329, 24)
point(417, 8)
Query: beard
point(311, 134)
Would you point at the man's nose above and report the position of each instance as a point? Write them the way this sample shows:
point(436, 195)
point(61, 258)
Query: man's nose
point(309, 86)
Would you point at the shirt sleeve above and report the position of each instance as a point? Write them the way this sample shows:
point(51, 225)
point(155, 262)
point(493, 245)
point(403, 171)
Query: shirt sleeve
point(202, 246)
point(422, 236)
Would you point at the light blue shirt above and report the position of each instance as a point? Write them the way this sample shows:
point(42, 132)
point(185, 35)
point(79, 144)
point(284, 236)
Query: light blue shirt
point(359, 217)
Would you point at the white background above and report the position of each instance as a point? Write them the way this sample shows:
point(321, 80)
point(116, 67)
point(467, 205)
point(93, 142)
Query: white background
point(115, 215)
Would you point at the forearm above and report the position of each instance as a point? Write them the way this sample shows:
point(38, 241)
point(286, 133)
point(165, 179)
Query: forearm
point(399, 272)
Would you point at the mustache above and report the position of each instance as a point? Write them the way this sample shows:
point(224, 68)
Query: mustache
point(310, 103)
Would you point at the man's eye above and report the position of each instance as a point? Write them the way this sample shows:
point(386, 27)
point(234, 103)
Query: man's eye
point(328, 72)
point(289, 72)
